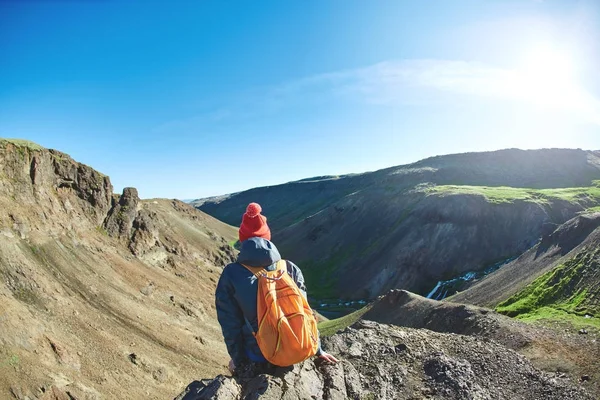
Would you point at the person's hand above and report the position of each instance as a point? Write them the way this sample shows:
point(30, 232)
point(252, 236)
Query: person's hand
point(328, 358)
point(231, 366)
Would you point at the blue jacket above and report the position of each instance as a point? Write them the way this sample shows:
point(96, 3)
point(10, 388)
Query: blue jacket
point(236, 293)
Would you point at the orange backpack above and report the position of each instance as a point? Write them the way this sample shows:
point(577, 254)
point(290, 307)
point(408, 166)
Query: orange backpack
point(287, 329)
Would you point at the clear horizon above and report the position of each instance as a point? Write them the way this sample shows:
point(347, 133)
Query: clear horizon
point(204, 99)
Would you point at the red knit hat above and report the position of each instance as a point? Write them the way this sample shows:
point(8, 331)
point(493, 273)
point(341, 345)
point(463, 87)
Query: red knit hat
point(254, 224)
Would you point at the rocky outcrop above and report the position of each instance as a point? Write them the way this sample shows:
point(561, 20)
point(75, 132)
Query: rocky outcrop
point(145, 234)
point(87, 183)
point(119, 220)
point(150, 236)
point(50, 183)
point(387, 362)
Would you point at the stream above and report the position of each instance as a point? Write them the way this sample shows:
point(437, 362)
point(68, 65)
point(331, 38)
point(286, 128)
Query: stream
point(447, 288)
point(336, 308)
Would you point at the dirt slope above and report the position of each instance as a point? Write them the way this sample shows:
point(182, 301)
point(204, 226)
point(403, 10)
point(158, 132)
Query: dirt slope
point(402, 308)
point(101, 307)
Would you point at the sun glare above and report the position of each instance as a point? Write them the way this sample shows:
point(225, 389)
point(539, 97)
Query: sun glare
point(547, 77)
point(548, 64)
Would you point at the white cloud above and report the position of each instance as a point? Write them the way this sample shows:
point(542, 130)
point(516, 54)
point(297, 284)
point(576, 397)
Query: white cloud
point(439, 81)
point(417, 82)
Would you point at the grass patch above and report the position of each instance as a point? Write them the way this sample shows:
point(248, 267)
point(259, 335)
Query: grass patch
point(13, 361)
point(549, 314)
point(500, 194)
point(505, 194)
point(545, 291)
point(319, 286)
point(573, 194)
point(566, 293)
point(328, 328)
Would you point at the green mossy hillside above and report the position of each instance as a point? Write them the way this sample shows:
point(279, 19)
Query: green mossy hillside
point(569, 292)
point(505, 194)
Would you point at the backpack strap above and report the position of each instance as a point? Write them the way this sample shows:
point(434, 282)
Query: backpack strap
point(256, 271)
point(281, 265)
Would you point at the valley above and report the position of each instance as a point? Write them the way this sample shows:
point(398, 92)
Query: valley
point(108, 295)
point(358, 236)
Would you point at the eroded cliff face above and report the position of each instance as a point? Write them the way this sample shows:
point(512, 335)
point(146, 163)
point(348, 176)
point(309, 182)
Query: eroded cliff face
point(387, 362)
point(101, 295)
point(378, 240)
point(47, 190)
point(573, 242)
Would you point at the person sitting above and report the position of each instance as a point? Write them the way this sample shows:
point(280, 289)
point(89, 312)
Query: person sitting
point(237, 299)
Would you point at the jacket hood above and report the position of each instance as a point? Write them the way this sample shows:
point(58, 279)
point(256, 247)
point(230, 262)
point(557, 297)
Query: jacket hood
point(258, 252)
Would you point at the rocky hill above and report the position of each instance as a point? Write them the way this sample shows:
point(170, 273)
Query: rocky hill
point(389, 362)
point(101, 295)
point(414, 225)
point(564, 350)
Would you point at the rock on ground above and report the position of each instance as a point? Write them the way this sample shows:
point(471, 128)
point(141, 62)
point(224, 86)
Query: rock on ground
point(386, 362)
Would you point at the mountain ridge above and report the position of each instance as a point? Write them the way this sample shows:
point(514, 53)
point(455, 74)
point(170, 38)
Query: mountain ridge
point(430, 162)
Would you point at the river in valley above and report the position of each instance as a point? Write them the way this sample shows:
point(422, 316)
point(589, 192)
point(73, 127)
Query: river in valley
point(447, 288)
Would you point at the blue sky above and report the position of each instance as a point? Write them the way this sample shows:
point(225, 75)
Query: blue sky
point(210, 97)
